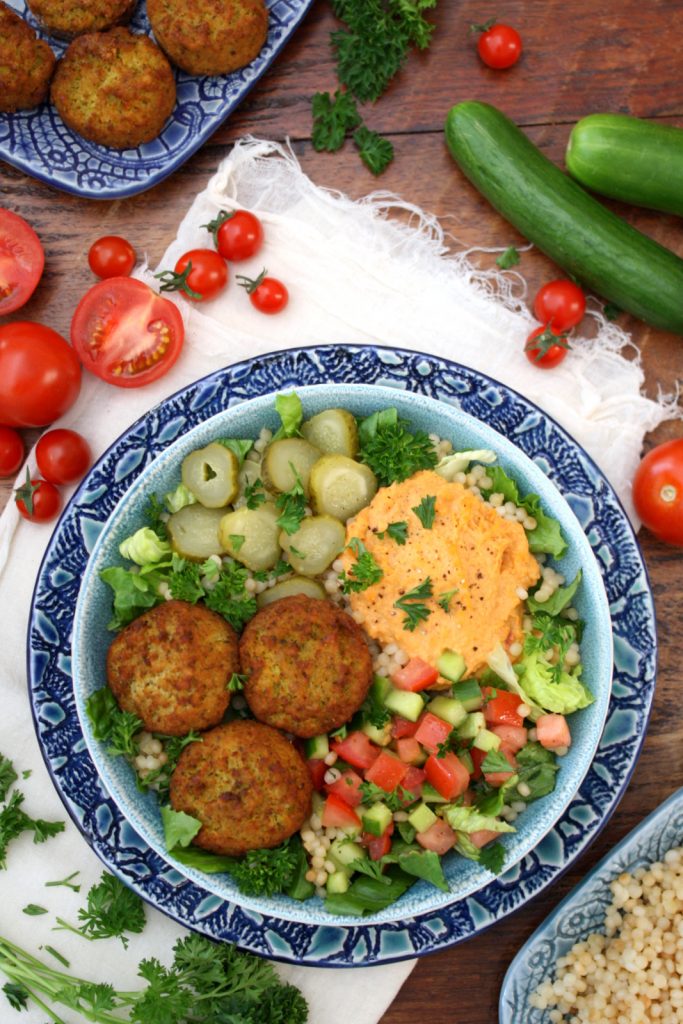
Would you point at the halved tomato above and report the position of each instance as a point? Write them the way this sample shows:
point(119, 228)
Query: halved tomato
point(125, 333)
point(21, 261)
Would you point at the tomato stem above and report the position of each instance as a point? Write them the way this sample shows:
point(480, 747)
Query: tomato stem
point(174, 282)
point(25, 492)
point(483, 27)
point(542, 342)
point(251, 283)
point(214, 225)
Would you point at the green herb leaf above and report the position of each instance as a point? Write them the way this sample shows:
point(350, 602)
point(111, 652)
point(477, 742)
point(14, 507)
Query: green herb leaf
point(332, 119)
point(254, 494)
point(112, 910)
point(375, 151)
point(236, 682)
point(65, 882)
point(390, 450)
point(611, 311)
point(509, 258)
point(492, 857)
point(8, 776)
point(363, 573)
point(33, 910)
point(236, 541)
point(179, 828)
point(412, 604)
point(238, 446)
point(426, 511)
point(14, 821)
point(17, 995)
point(291, 505)
point(397, 531)
point(495, 762)
point(289, 409)
point(445, 599)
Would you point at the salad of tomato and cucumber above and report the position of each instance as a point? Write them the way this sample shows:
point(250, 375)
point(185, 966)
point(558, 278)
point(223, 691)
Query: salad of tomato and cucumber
point(387, 605)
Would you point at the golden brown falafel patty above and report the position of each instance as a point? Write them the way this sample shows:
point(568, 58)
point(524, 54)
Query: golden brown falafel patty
point(171, 667)
point(26, 63)
point(69, 18)
point(307, 663)
point(209, 37)
point(114, 88)
point(246, 783)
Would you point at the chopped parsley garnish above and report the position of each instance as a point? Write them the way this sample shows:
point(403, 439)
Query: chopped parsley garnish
point(236, 682)
point(291, 505)
point(160, 777)
point(551, 635)
point(114, 727)
point(509, 258)
point(492, 857)
point(375, 151)
point(397, 531)
point(426, 511)
point(412, 603)
point(452, 741)
point(185, 580)
point(390, 450)
point(495, 762)
point(236, 540)
point(112, 909)
point(14, 821)
point(254, 494)
point(445, 600)
point(332, 119)
point(363, 573)
point(33, 910)
point(66, 882)
point(8, 776)
point(395, 799)
point(230, 598)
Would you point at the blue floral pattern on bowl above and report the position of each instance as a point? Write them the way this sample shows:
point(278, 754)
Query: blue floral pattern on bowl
point(74, 772)
point(38, 142)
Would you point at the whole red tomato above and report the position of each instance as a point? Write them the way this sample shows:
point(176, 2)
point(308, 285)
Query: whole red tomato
point(267, 294)
point(40, 375)
point(499, 46)
point(63, 456)
point(237, 235)
point(546, 347)
point(658, 491)
point(111, 256)
point(560, 303)
point(21, 261)
point(200, 274)
point(37, 500)
point(11, 451)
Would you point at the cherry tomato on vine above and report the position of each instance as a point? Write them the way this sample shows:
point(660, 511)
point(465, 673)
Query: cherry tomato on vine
point(125, 333)
point(62, 456)
point(546, 347)
point(111, 256)
point(40, 375)
point(200, 274)
point(37, 500)
point(658, 491)
point(238, 235)
point(499, 46)
point(560, 303)
point(21, 261)
point(11, 451)
point(267, 294)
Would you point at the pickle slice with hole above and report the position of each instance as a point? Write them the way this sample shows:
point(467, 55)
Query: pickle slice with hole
point(251, 536)
point(333, 431)
point(341, 487)
point(315, 545)
point(212, 474)
point(193, 532)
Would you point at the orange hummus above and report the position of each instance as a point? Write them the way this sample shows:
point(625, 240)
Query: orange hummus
point(469, 552)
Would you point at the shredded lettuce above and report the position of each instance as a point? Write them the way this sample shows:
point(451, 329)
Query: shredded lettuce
point(459, 461)
point(291, 413)
point(499, 663)
point(558, 601)
point(470, 819)
point(238, 446)
point(561, 696)
point(182, 496)
point(546, 537)
point(144, 547)
point(179, 828)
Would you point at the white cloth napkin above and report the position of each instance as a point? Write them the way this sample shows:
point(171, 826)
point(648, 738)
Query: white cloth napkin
point(354, 276)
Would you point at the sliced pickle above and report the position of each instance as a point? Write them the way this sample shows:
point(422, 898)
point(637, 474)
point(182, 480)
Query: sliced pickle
point(315, 545)
point(211, 474)
point(251, 536)
point(194, 532)
point(288, 588)
point(283, 458)
point(341, 487)
point(333, 431)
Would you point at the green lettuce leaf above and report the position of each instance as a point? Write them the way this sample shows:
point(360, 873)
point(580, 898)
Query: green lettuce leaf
point(470, 819)
point(537, 767)
point(291, 412)
point(563, 696)
point(558, 601)
point(179, 828)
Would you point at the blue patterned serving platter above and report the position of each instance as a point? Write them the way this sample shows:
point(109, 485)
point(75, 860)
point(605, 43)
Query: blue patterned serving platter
point(96, 813)
point(583, 910)
point(38, 142)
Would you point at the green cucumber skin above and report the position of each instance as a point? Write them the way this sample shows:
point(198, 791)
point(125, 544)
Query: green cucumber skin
point(629, 159)
point(551, 210)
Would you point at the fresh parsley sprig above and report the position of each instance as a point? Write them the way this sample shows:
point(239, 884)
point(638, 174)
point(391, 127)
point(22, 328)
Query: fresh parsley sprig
point(112, 910)
point(291, 505)
point(14, 820)
point(363, 573)
point(413, 604)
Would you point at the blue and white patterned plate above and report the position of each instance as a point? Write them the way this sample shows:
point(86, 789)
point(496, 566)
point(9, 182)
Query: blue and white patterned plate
point(583, 910)
point(38, 142)
point(96, 814)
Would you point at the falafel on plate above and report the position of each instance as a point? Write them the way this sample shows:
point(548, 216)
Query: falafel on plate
point(209, 37)
point(26, 63)
point(68, 18)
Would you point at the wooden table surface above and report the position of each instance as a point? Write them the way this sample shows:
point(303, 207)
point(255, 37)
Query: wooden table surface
point(619, 56)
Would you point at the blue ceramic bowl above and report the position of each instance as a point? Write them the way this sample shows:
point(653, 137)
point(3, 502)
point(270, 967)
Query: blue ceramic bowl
point(91, 637)
point(583, 910)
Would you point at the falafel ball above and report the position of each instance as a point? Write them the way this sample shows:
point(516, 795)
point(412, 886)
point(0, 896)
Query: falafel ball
point(171, 667)
point(114, 88)
point(26, 64)
point(307, 663)
point(247, 785)
point(209, 37)
point(68, 18)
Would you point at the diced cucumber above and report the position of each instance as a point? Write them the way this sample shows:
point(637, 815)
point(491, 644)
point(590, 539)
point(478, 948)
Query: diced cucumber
point(431, 795)
point(343, 852)
point(318, 802)
point(380, 687)
point(473, 724)
point(338, 882)
point(449, 709)
point(466, 758)
point(380, 736)
point(451, 665)
point(404, 703)
point(468, 692)
point(486, 740)
point(317, 747)
point(376, 819)
point(422, 818)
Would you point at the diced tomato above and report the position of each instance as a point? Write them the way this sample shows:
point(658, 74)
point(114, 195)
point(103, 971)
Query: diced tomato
point(477, 756)
point(347, 787)
point(356, 749)
point(412, 783)
point(499, 778)
point(401, 727)
point(439, 837)
point(317, 768)
point(338, 814)
point(448, 775)
point(415, 675)
point(409, 750)
point(386, 771)
point(501, 709)
point(482, 837)
point(514, 737)
point(432, 731)
point(378, 846)
point(553, 732)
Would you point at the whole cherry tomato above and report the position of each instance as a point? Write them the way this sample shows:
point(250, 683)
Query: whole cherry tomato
point(200, 274)
point(237, 235)
point(658, 491)
point(111, 256)
point(21, 261)
point(40, 375)
point(560, 303)
point(62, 456)
point(267, 294)
point(125, 333)
point(11, 451)
point(499, 46)
point(546, 347)
point(37, 500)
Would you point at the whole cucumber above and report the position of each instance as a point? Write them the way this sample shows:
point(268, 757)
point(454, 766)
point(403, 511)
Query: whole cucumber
point(623, 157)
point(573, 229)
